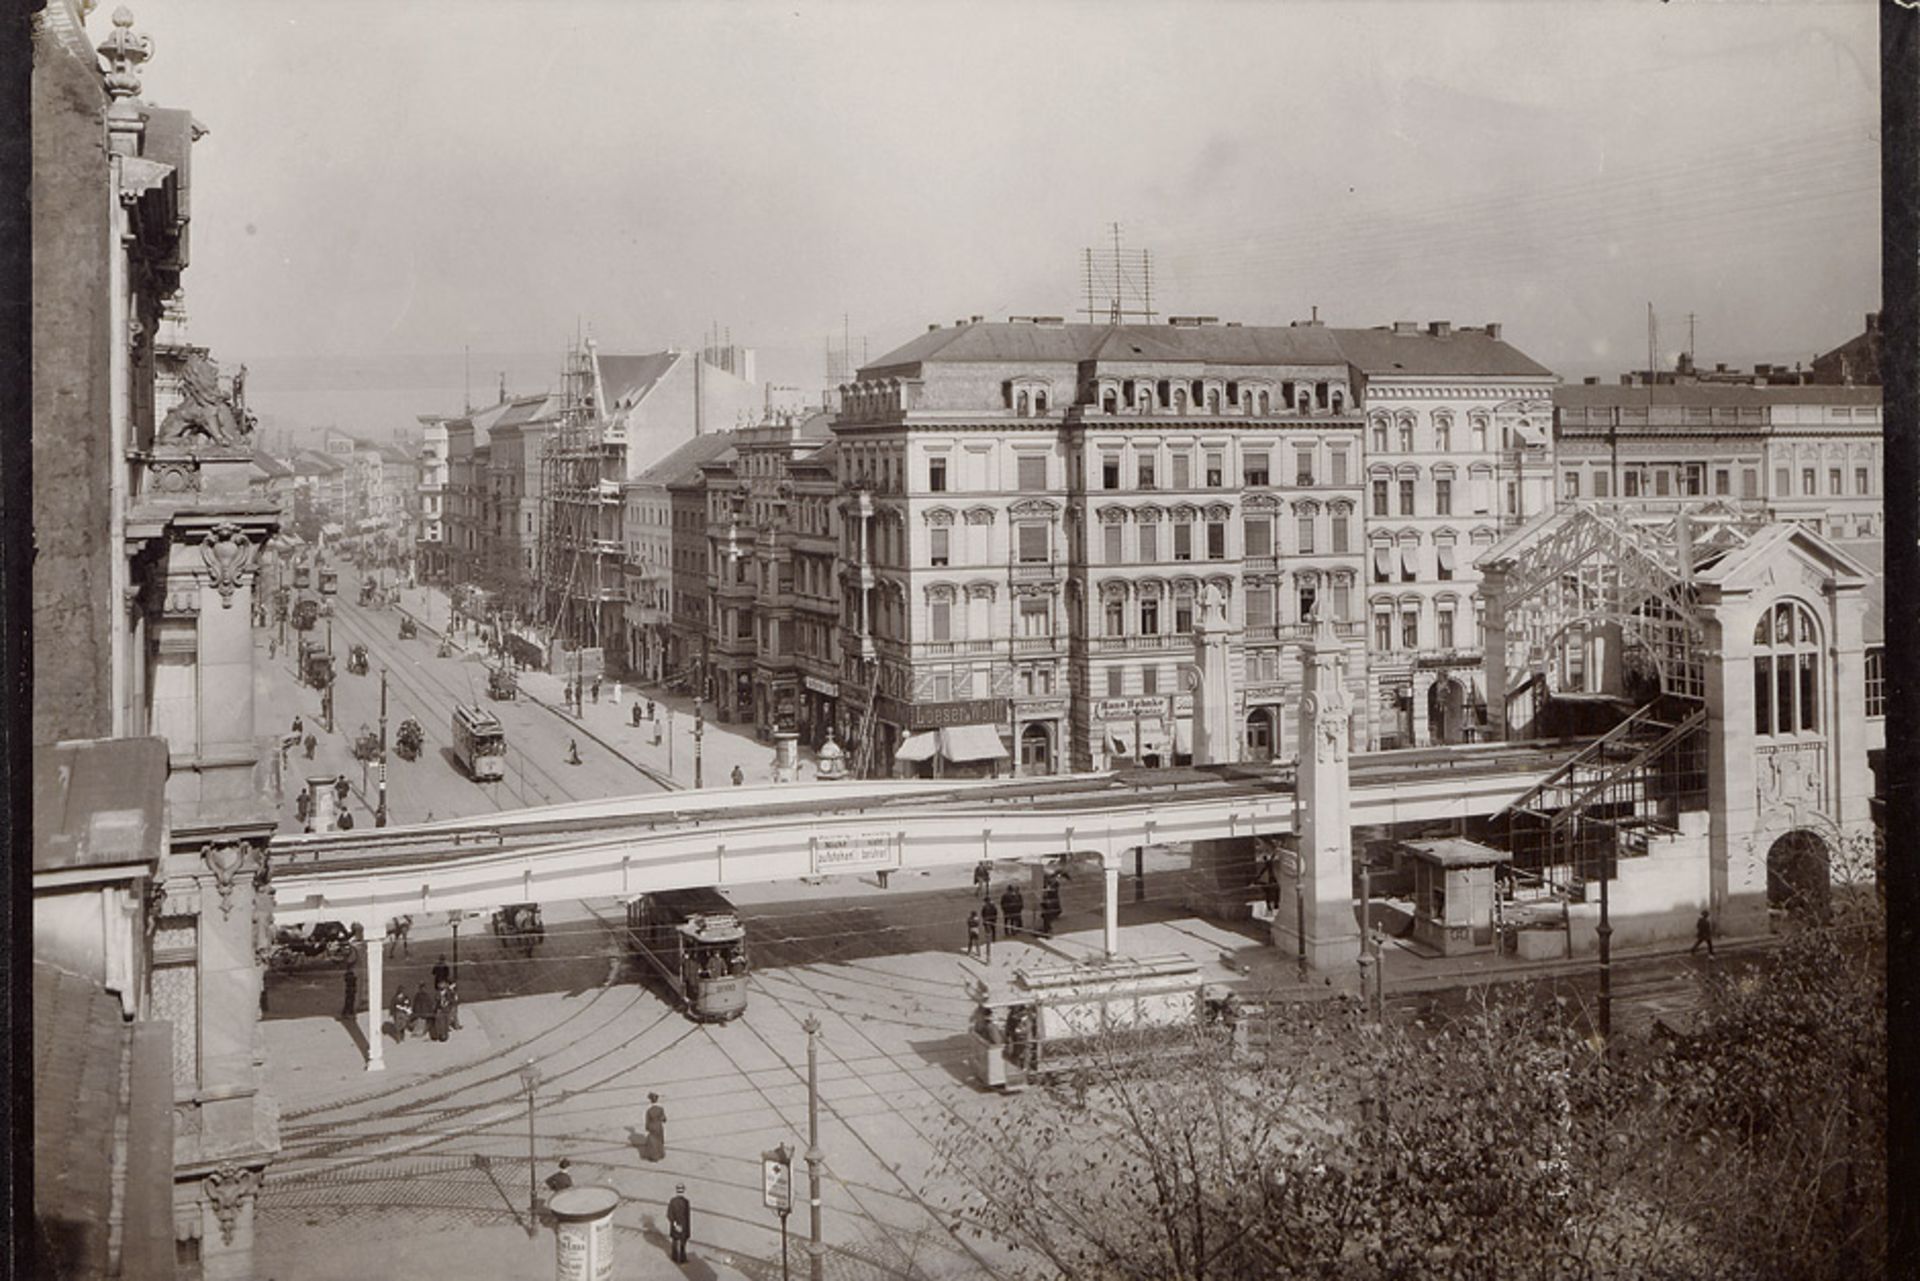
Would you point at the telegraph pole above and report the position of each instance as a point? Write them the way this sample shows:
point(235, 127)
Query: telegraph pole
point(699, 733)
point(816, 1249)
point(380, 811)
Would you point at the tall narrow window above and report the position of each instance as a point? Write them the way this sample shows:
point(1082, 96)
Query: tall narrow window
point(1383, 630)
point(1031, 472)
point(1216, 471)
point(1149, 539)
point(1337, 467)
point(938, 546)
point(1182, 470)
point(1341, 539)
point(1443, 495)
point(1258, 532)
point(1444, 626)
point(1033, 544)
point(1183, 541)
point(1109, 471)
point(1114, 554)
point(1342, 600)
point(1786, 672)
point(1410, 627)
point(1144, 474)
point(1306, 535)
point(1116, 617)
point(1859, 480)
point(1253, 469)
point(1149, 617)
point(1216, 540)
point(1380, 498)
point(1406, 498)
point(940, 619)
point(1406, 438)
point(937, 475)
point(1259, 607)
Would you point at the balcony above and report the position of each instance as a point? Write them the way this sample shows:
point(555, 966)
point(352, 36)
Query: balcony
point(1140, 644)
point(1262, 564)
point(955, 648)
point(1038, 571)
point(1038, 644)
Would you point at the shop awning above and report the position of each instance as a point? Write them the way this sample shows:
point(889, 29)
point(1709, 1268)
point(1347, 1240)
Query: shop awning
point(1383, 563)
point(1153, 736)
point(971, 743)
point(1118, 746)
point(1446, 558)
point(1183, 738)
point(1410, 560)
point(917, 747)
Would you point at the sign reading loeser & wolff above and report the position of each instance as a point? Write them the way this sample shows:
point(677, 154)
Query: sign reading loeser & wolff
point(854, 852)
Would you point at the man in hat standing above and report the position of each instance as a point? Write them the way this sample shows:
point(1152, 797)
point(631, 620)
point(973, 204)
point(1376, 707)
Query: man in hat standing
point(679, 1222)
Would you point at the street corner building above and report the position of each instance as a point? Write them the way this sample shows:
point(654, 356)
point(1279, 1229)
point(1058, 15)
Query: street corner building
point(149, 526)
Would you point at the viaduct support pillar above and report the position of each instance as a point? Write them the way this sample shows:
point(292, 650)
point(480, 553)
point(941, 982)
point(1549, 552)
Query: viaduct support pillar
point(375, 932)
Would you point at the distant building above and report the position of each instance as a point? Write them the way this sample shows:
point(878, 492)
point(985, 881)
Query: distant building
point(511, 496)
point(659, 644)
point(430, 547)
point(1805, 453)
point(814, 540)
point(694, 619)
point(1854, 363)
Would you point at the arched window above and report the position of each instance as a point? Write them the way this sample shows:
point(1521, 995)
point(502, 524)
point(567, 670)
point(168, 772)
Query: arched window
point(1786, 672)
point(1039, 402)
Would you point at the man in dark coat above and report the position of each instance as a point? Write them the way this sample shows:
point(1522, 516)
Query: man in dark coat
point(989, 922)
point(442, 972)
point(679, 1222)
point(351, 1006)
point(973, 933)
point(1013, 906)
point(423, 1008)
point(402, 1014)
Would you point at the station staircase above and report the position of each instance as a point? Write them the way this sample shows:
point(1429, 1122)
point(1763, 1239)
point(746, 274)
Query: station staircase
point(1625, 786)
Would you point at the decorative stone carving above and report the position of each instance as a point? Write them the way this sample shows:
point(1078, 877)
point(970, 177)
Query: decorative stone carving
point(228, 554)
point(228, 1188)
point(939, 517)
point(124, 51)
point(1113, 515)
point(205, 413)
point(227, 861)
point(1329, 719)
point(939, 592)
point(980, 591)
point(1032, 589)
point(182, 598)
point(174, 476)
point(1030, 507)
point(979, 516)
point(1789, 779)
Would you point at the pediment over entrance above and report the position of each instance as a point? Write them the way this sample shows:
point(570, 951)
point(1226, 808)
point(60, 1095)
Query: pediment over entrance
point(1783, 554)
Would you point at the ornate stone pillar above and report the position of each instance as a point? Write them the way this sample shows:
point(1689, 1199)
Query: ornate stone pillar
point(1493, 590)
point(1321, 883)
point(1214, 740)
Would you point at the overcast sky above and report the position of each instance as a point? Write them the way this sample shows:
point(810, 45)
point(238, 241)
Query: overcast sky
point(386, 178)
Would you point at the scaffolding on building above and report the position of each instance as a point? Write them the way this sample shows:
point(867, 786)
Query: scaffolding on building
point(1594, 587)
point(582, 588)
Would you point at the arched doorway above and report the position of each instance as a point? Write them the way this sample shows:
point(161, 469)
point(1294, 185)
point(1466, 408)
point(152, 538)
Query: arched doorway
point(1447, 711)
point(1260, 735)
point(1036, 750)
point(1798, 880)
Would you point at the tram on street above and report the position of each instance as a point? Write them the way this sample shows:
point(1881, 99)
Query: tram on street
point(302, 574)
point(697, 944)
point(479, 743)
point(1053, 1019)
point(329, 581)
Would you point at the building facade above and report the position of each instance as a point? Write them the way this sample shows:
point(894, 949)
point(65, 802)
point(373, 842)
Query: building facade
point(430, 546)
point(1033, 513)
point(657, 639)
point(1458, 452)
point(1810, 454)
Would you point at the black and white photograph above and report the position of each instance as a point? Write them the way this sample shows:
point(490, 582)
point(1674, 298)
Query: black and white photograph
point(1067, 641)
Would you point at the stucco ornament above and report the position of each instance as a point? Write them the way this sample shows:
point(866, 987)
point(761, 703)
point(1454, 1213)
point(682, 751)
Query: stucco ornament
point(228, 1188)
point(228, 554)
point(226, 861)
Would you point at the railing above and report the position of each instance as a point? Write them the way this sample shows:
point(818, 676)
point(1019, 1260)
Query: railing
point(948, 648)
point(1113, 644)
point(1037, 644)
point(1037, 571)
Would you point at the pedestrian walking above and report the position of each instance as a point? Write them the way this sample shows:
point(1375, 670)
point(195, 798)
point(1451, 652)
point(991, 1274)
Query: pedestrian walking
point(573, 751)
point(442, 973)
point(341, 790)
point(402, 1011)
point(351, 1005)
point(346, 820)
point(989, 921)
point(656, 1130)
point(983, 877)
point(398, 929)
point(442, 1015)
point(973, 933)
point(1050, 902)
point(310, 744)
point(1013, 909)
point(650, 715)
point(739, 776)
point(301, 806)
point(679, 1222)
point(450, 997)
point(298, 726)
point(636, 716)
point(596, 689)
point(1702, 933)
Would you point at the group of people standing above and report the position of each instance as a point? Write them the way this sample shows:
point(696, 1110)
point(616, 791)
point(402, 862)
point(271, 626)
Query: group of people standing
point(435, 1011)
point(984, 922)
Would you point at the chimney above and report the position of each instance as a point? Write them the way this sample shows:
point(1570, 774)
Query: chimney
point(1591, 382)
point(1406, 327)
point(978, 319)
point(1720, 368)
point(933, 329)
point(1440, 328)
point(1493, 329)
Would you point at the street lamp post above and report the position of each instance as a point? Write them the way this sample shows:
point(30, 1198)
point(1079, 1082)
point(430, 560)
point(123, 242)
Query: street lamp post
point(453, 919)
point(530, 1078)
point(699, 734)
point(1605, 931)
point(816, 1249)
point(380, 810)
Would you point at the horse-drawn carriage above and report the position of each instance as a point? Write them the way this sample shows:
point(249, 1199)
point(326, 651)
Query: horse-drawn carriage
point(366, 591)
point(501, 684)
point(519, 925)
point(306, 612)
point(409, 739)
point(294, 946)
point(316, 665)
point(366, 746)
point(357, 660)
point(408, 628)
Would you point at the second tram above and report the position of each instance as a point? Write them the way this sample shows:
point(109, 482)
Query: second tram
point(479, 743)
point(694, 940)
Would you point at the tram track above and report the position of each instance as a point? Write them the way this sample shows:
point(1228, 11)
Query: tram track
point(428, 684)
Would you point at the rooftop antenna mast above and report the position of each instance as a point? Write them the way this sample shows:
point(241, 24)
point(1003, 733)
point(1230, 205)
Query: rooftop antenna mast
point(1128, 295)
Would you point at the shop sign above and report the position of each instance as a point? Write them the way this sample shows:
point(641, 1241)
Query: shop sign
point(1119, 708)
point(853, 852)
point(918, 716)
point(818, 686)
point(1041, 707)
point(1452, 658)
point(1266, 694)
